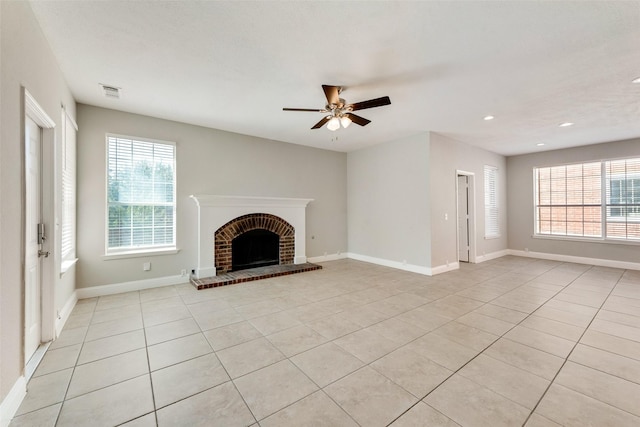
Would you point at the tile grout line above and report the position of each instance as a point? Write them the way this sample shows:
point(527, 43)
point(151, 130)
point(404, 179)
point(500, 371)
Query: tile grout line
point(221, 364)
point(64, 398)
point(479, 353)
point(267, 298)
point(146, 351)
point(573, 348)
point(361, 328)
point(104, 387)
point(494, 341)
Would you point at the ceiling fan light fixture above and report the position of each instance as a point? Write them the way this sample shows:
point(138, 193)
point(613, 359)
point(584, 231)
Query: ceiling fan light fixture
point(334, 124)
point(339, 112)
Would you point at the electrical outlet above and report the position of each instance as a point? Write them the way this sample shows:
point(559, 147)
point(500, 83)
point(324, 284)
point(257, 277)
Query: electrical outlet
point(183, 272)
point(146, 266)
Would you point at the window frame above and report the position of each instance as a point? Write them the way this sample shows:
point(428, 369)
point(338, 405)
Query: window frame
point(604, 220)
point(139, 250)
point(628, 176)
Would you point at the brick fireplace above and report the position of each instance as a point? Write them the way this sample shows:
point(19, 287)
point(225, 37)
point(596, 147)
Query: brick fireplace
point(225, 235)
point(222, 218)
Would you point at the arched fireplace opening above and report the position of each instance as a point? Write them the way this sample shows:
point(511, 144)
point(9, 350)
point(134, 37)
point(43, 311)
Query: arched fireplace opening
point(255, 248)
point(259, 228)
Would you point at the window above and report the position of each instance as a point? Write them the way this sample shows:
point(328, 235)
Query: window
point(568, 200)
point(623, 199)
point(491, 224)
point(593, 200)
point(68, 210)
point(140, 194)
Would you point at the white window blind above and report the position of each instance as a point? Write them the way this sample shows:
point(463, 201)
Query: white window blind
point(140, 194)
point(596, 200)
point(491, 220)
point(68, 214)
point(623, 199)
point(568, 200)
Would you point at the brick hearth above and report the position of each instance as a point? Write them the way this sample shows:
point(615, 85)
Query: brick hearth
point(252, 274)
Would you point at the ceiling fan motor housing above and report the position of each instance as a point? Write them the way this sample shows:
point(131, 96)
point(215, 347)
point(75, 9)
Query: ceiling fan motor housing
point(339, 109)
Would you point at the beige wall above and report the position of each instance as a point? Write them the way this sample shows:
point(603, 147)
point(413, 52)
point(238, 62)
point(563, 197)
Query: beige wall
point(26, 60)
point(388, 193)
point(448, 156)
point(521, 200)
point(209, 161)
point(400, 191)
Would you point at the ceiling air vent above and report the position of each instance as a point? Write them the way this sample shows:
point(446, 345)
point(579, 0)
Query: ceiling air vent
point(110, 91)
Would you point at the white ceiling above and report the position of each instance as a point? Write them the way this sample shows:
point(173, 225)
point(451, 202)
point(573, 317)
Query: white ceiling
point(233, 65)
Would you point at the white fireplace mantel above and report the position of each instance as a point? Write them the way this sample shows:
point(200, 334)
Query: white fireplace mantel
point(215, 211)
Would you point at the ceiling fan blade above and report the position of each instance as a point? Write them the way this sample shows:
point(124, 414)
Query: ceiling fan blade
point(358, 120)
point(321, 123)
point(378, 102)
point(315, 110)
point(332, 93)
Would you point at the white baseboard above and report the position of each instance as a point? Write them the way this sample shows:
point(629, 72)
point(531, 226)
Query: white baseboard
point(492, 255)
point(12, 401)
point(444, 268)
point(65, 312)
point(137, 285)
point(393, 264)
point(329, 257)
point(577, 259)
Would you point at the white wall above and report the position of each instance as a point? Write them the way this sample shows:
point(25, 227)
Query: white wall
point(26, 60)
point(521, 200)
point(388, 198)
point(209, 161)
point(446, 157)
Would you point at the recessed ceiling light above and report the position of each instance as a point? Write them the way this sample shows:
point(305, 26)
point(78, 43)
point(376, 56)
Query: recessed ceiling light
point(488, 118)
point(636, 80)
point(565, 124)
point(540, 144)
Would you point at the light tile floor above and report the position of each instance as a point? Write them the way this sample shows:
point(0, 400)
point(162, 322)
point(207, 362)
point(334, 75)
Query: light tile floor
point(509, 342)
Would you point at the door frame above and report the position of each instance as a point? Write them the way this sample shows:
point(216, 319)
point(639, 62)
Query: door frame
point(33, 110)
point(472, 215)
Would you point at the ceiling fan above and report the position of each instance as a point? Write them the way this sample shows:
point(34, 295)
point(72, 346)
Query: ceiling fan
point(339, 112)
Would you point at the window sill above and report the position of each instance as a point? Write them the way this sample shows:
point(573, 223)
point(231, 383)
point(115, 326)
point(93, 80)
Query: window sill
point(492, 237)
point(66, 265)
point(586, 239)
point(140, 253)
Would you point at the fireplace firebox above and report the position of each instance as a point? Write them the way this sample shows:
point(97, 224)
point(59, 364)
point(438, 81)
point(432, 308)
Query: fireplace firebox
point(256, 240)
point(255, 248)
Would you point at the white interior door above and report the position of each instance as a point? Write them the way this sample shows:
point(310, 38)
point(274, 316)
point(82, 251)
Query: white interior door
point(463, 218)
point(33, 215)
